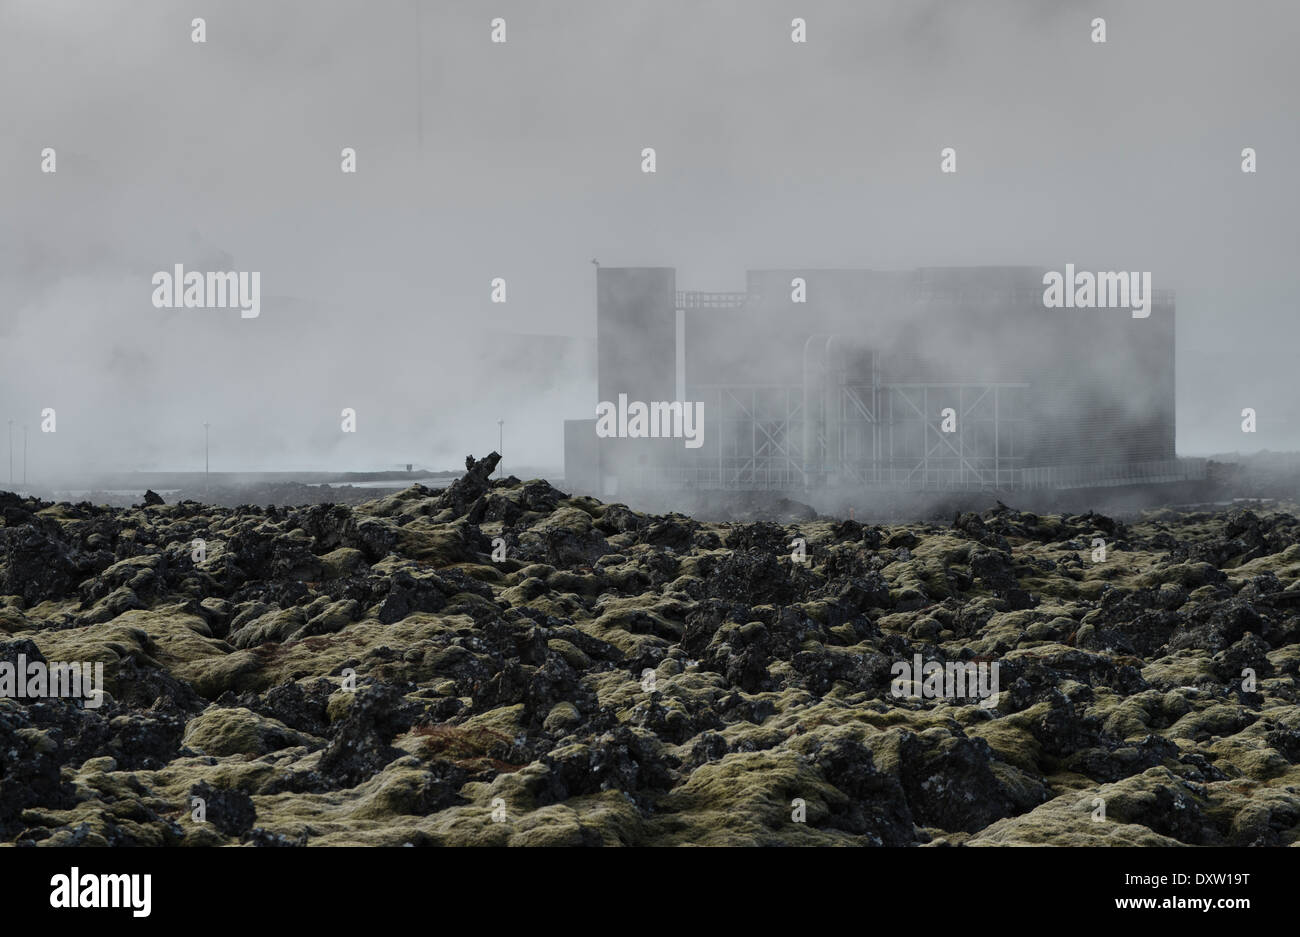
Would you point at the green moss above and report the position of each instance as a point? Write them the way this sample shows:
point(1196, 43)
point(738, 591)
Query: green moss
point(236, 731)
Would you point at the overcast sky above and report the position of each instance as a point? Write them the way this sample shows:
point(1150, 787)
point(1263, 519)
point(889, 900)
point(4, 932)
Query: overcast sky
point(522, 161)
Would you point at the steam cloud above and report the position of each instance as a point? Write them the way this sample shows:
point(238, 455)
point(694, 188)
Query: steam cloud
point(522, 161)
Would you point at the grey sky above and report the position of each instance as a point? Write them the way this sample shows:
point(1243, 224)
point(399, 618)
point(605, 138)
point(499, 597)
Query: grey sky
point(770, 154)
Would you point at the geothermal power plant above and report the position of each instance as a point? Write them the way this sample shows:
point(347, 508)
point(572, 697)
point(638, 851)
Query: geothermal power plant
point(844, 380)
point(649, 424)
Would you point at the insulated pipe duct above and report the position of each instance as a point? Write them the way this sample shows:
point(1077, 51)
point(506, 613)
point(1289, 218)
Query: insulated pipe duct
point(823, 403)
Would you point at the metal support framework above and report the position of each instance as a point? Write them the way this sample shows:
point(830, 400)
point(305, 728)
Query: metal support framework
point(980, 444)
point(862, 435)
point(757, 433)
point(853, 430)
point(847, 428)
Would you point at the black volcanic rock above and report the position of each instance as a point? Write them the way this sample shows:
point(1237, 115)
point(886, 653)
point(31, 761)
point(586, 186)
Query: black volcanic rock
point(404, 669)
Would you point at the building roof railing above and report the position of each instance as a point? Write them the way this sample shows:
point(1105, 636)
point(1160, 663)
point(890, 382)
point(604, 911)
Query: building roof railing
point(1016, 296)
point(694, 299)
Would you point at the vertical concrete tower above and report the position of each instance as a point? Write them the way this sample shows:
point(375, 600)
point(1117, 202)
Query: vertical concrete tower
point(636, 334)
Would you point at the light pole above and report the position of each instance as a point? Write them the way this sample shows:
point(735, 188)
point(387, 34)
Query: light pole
point(419, 83)
point(501, 432)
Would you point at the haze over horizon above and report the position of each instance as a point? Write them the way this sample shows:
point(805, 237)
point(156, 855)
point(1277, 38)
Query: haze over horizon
point(522, 161)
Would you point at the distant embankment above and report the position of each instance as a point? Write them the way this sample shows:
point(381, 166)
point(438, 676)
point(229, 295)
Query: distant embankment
point(173, 480)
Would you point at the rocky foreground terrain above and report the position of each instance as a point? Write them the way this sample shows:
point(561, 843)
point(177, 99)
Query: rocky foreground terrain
point(294, 493)
point(328, 675)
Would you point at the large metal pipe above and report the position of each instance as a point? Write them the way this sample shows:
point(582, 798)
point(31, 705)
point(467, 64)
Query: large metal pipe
point(808, 434)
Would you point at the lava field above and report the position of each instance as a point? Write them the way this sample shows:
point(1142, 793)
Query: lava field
point(498, 663)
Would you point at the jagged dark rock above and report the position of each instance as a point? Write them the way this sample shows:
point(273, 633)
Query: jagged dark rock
point(424, 658)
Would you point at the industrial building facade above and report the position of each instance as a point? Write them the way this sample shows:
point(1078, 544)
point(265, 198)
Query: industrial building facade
point(936, 378)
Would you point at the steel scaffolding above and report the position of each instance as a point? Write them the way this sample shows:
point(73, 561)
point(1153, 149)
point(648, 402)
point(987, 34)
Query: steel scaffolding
point(843, 429)
point(846, 427)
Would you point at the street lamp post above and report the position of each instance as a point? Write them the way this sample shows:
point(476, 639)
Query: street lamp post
point(419, 83)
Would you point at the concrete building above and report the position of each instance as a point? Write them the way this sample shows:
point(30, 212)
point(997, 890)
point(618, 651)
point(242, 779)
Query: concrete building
point(936, 378)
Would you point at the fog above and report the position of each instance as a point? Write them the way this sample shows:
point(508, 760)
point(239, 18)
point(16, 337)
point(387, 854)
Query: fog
point(523, 161)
